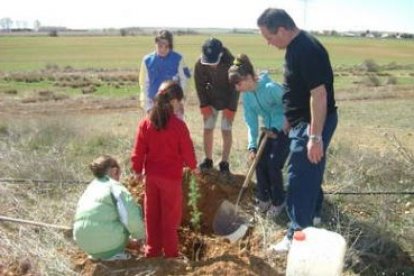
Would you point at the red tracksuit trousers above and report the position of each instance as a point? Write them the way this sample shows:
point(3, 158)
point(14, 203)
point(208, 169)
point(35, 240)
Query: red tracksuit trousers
point(163, 211)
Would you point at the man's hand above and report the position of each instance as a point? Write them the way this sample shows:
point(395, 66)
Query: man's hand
point(315, 150)
point(251, 157)
point(135, 244)
point(139, 177)
point(196, 172)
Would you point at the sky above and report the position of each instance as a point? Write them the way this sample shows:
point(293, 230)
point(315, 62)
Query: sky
point(339, 15)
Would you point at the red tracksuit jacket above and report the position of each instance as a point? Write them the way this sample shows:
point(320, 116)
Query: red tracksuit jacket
point(165, 152)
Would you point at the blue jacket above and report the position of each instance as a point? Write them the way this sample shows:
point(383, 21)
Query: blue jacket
point(156, 69)
point(265, 102)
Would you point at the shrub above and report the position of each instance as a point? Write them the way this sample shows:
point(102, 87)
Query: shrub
point(10, 92)
point(53, 33)
point(52, 67)
point(370, 65)
point(4, 130)
point(89, 89)
point(371, 80)
point(391, 80)
point(124, 32)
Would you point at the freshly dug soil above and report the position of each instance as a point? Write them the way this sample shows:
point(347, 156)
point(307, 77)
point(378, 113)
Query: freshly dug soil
point(204, 253)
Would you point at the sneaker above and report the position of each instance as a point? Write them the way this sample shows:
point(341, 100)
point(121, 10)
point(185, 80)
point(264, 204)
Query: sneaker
point(224, 167)
point(92, 258)
point(263, 206)
point(182, 258)
point(206, 165)
point(274, 210)
point(317, 221)
point(225, 172)
point(281, 247)
point(119, 257)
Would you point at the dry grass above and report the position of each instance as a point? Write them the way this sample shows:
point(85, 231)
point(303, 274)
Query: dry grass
point(39, 248)
point(363, 157)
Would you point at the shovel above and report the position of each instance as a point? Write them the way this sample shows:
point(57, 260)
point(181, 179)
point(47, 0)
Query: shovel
point(67, 231)
point(227, 221)
point(35, 223)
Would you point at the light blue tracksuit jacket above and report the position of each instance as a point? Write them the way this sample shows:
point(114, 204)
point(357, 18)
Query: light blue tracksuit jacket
point(265, 102)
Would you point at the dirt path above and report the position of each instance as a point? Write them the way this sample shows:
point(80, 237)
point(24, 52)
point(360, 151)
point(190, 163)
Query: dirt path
point(50, 103)
point(87, 105)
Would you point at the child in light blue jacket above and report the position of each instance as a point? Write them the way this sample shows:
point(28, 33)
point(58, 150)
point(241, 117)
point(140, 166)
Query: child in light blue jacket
point(262, 98)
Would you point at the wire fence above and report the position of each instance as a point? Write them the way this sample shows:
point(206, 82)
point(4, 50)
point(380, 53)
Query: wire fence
point(84, 182)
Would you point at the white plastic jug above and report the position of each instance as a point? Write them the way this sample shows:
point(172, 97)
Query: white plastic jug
point(316, 252)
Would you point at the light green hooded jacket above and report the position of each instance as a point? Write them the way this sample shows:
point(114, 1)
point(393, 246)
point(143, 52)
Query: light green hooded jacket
point(106, 217)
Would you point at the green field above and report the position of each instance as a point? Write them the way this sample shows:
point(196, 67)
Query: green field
point(31, 53)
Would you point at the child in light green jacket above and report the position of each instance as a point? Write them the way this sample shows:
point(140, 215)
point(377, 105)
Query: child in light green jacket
point(107, 217)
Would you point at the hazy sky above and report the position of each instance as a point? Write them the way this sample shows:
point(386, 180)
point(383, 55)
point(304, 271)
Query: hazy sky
point(341, 15)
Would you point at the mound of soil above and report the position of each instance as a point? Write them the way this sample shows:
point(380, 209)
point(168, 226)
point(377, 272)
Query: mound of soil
point(203, 252)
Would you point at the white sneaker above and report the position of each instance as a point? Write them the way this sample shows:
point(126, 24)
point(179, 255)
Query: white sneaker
point(263, 206)
point(274, 211)
point(119, 257)
point(92, 258)
point(281, 247)
point(317, 221)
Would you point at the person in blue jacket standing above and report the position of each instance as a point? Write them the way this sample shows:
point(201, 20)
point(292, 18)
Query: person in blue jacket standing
point(262, 98)
point(161, 65)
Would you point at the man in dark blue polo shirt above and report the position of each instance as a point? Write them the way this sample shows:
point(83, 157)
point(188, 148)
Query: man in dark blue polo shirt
point(310, 112)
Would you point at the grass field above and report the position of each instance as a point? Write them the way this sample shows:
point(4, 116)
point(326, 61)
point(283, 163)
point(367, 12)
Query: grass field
point(32, 53)
point(50, 129)
point(126, 52)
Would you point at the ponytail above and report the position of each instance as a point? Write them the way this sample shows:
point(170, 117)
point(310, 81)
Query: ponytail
point(101, 165)
point(162, 109)
point(241, 68)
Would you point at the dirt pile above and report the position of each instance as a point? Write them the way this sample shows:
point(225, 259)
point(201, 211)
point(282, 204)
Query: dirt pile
point(204, 253)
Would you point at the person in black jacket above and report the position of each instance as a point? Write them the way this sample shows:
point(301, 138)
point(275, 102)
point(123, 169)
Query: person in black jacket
point(309, 106)
point(215, 94)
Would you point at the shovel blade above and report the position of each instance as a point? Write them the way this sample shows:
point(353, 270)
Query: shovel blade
point(229, 223)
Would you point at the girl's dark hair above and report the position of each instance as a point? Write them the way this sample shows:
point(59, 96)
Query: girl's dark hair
point(227, 57)
point(272, 19)
point(162, 109)
point(101, 165)
point(165, 35)
point(241, 68)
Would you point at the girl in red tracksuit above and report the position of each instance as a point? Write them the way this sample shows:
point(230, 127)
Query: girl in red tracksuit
point(162, 148)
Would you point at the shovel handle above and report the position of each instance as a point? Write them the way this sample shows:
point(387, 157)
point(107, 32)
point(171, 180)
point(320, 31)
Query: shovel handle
point(42, 224)
point(255, 161)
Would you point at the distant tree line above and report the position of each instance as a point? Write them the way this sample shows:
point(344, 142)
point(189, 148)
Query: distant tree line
point(9, 26)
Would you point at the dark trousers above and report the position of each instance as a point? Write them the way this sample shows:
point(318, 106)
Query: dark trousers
point(305, 195)
point(269, 170)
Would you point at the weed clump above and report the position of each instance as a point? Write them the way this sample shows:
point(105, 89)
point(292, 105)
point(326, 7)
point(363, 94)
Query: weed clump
point(372, 80)
point(370, 65)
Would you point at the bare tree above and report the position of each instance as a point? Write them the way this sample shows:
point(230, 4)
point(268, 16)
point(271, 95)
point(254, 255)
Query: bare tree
point(36, 25)
point(6, 23)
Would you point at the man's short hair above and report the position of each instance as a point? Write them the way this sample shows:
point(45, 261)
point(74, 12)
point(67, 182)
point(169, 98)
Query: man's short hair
point(273, 18)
